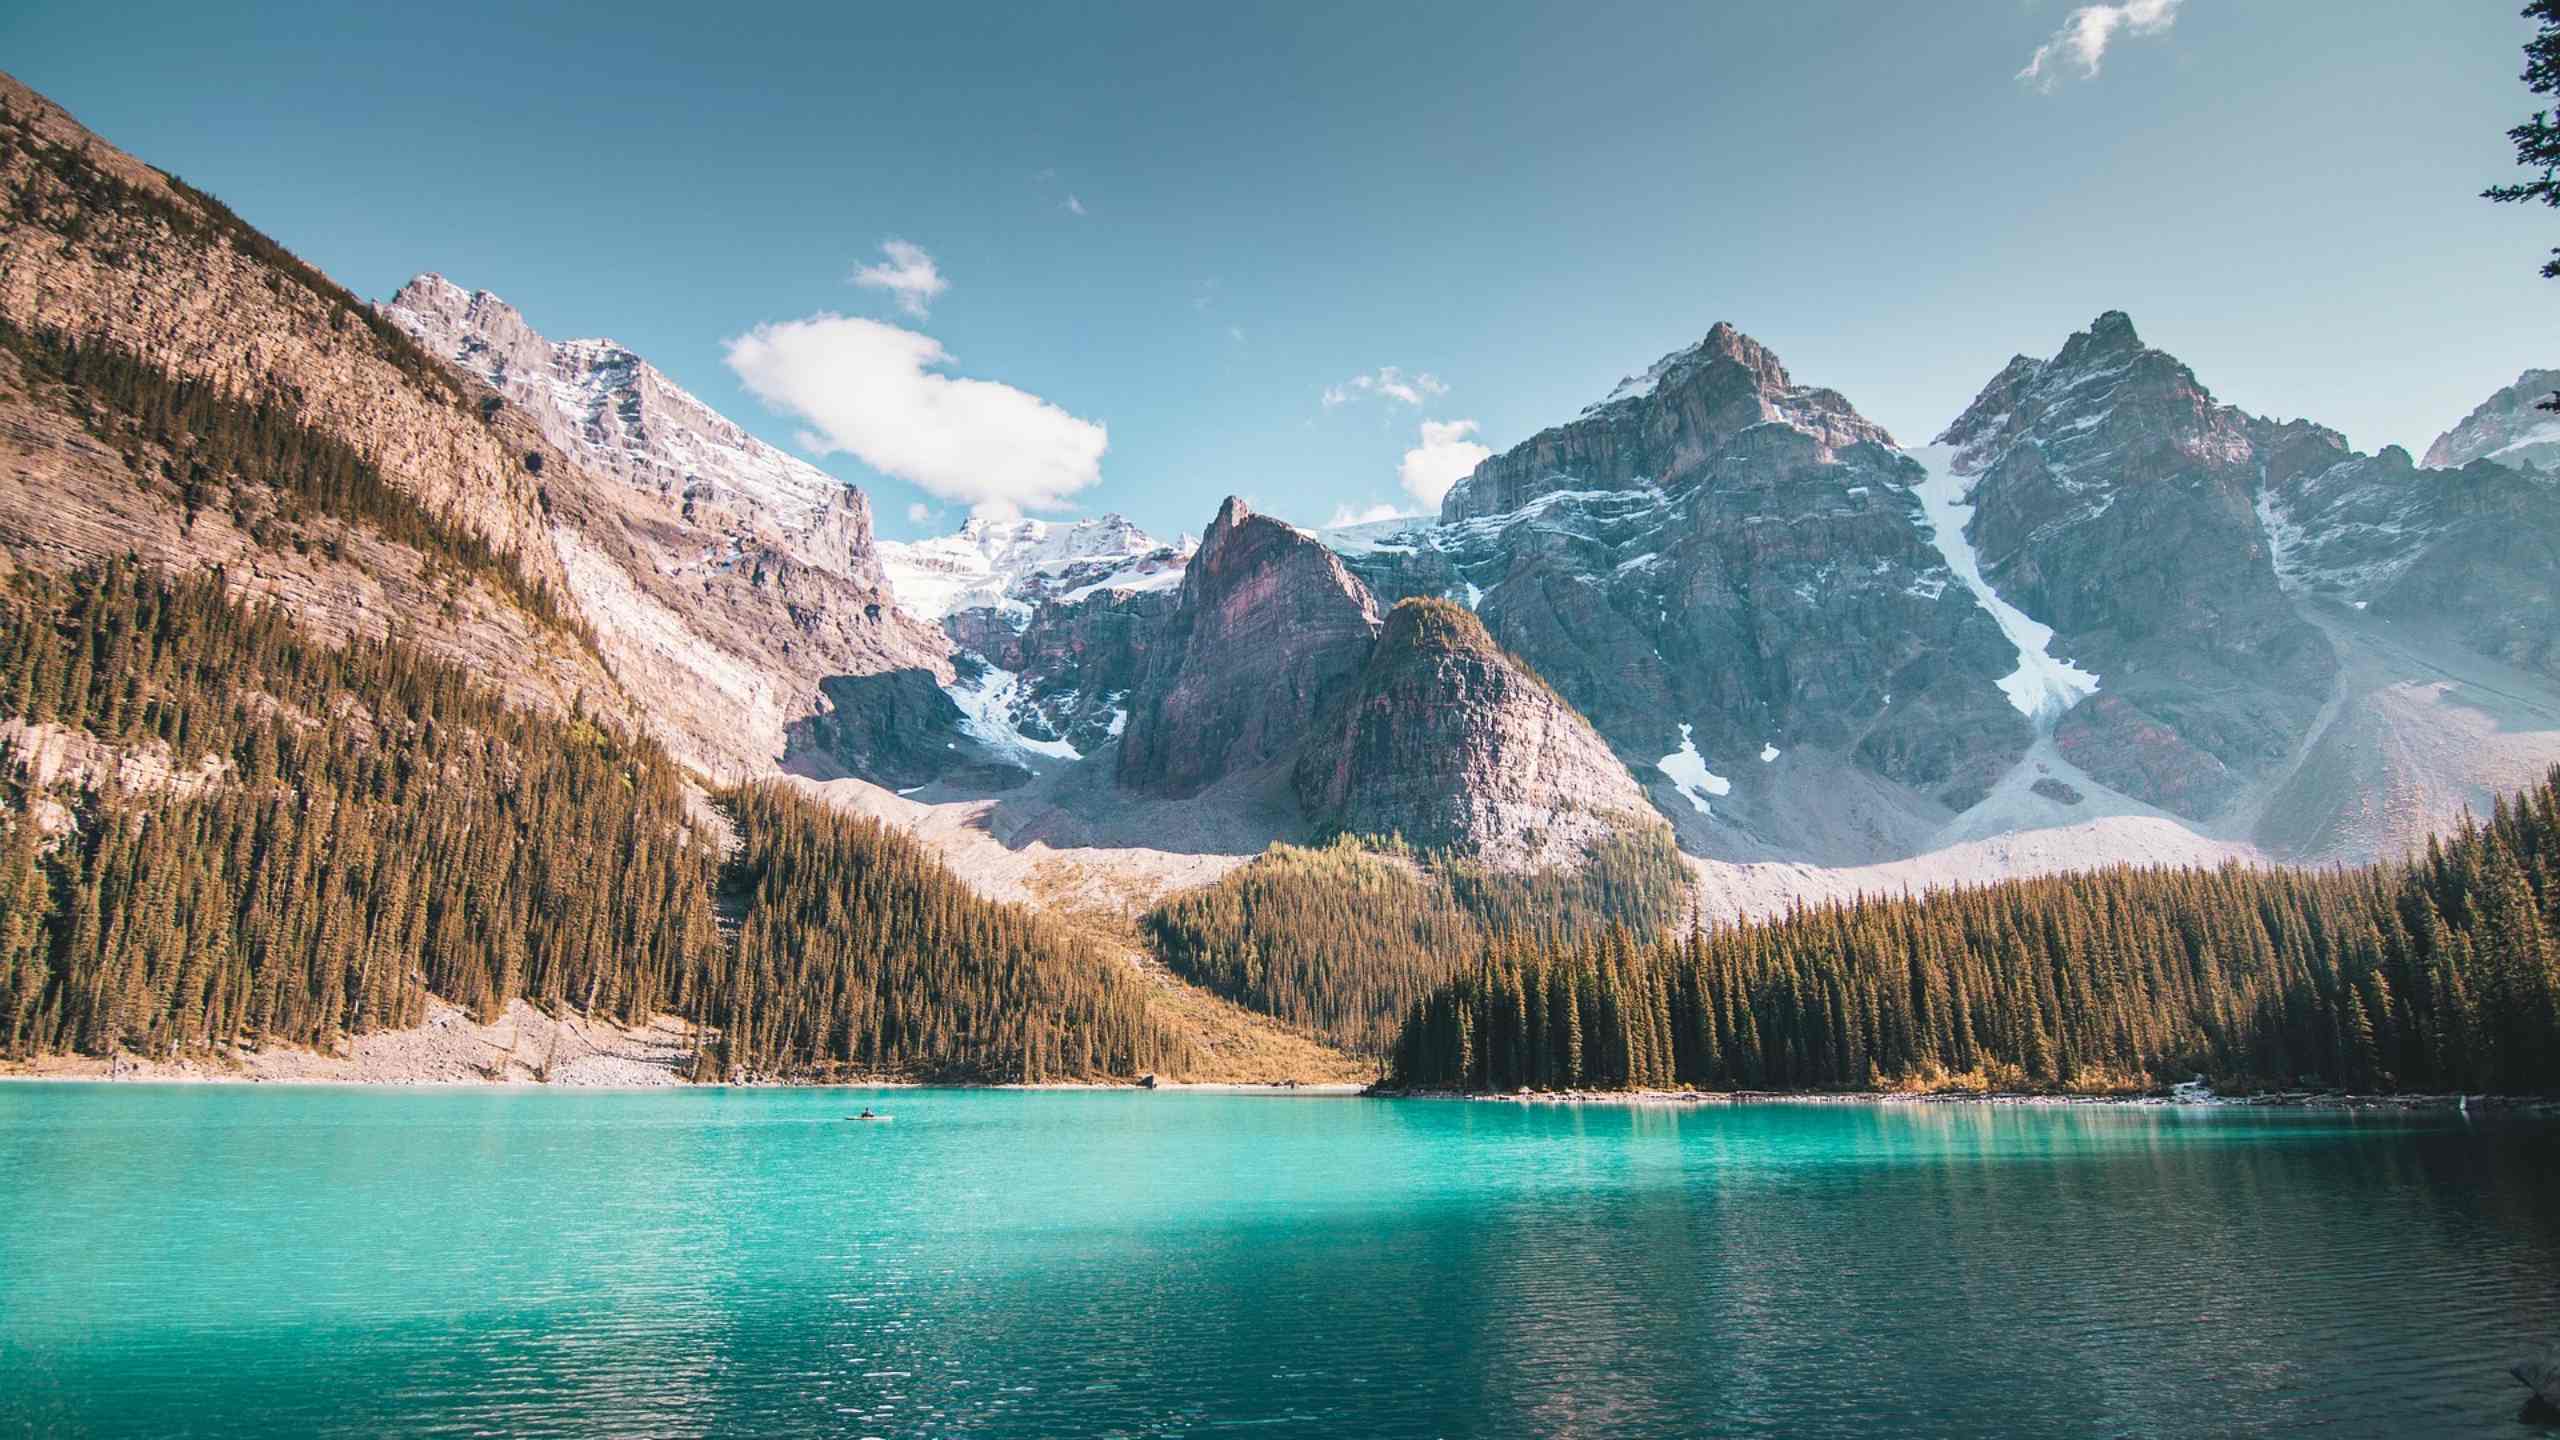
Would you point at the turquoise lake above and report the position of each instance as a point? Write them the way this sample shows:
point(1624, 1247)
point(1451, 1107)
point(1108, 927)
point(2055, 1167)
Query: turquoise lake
point(275, 1261)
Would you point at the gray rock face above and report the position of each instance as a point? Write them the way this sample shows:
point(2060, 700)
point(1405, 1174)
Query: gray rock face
point(2508, 427)
point(1718, 548)
point(1079, 660)
point(2115, 500)
point(2475, 549)
point(1449, 743)
point(1268, 632)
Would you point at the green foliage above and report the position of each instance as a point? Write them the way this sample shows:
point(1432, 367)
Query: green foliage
point(861, 951)
point(374, 826)
point(2537, 140)
point(2439, 974)
point(1343, 940)
point(379, 826)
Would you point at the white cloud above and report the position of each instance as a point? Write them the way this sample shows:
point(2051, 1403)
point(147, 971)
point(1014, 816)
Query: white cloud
point(2086, 33)
point(1389, 382)
point(1074, 206)
point(1445, 457)
point(1345, 515)
point(869, 389)
point(920, 513)
point(908, 273)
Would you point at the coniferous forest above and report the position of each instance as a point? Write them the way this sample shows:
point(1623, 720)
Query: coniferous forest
point(338, 832)
point(2438, 974)
point(1343, 939)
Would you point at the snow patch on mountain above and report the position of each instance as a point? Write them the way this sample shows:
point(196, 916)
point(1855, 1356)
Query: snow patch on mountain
point(1011, 566)
point(987, 701)
point(2042, 687)
point(1689, 773)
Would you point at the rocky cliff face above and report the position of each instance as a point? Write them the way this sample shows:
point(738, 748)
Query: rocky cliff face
point(2509, 427)
point(1267, 633)
point(1453, 745)
point(620, 416)
point(2115, 500)
point(2475, 549)
point(1717, 563)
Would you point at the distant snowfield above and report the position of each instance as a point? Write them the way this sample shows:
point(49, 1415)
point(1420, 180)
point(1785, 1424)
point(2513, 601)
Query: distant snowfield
point(986, 709)
point(2042, 687)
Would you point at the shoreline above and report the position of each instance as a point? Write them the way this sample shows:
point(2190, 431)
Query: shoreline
point(2333, 1101)
point(86, 1070)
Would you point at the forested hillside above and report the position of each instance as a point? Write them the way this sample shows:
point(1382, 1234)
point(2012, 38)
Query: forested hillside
point(1342, 940)
point(317, 837)
point(2434, 975)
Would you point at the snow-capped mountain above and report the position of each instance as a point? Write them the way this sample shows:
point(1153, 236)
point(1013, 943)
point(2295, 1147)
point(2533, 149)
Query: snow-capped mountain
point(2509, 427)
point(621, 416)
point(1012, 566)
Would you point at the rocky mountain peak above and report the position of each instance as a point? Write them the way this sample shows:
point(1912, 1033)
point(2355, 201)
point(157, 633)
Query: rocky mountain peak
point(623, 417)
point(1268, 631)
point(1009, 567)
point(2110, 335)
point(1658, 429)
point(2113, 500)
point(2508, 427)
point(1452, 744)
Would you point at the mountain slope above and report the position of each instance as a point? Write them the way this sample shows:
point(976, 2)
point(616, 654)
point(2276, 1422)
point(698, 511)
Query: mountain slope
point(2510, 427)
point(715, 647)
point(1733, 576)
point(622, 417)
point(1449, 743)
point(2114, 499)
point(1268, 633)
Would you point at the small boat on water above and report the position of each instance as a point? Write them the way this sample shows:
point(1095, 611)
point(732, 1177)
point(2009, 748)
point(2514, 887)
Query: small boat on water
point(867, 1115)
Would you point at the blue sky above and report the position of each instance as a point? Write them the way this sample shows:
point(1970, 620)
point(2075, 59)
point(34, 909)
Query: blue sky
point(1521, 202)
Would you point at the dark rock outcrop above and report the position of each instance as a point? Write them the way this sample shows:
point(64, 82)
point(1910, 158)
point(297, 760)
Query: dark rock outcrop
point(1452, 744)
point(1268, 632)
point(1080, 660)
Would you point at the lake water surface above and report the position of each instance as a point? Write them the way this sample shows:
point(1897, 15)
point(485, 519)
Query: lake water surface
point(270, 1260)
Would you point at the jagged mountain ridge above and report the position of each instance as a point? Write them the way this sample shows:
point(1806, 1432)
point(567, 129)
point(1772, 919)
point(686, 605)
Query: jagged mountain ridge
point(2510, 427)
point(1718, 564)
point(1737, 577)
point(623, 417)
point(2114, 499)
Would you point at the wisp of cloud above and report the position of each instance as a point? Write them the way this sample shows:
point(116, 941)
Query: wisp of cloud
point(2086, 33)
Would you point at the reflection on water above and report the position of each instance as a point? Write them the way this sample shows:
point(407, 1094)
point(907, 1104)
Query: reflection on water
point(255, 1261)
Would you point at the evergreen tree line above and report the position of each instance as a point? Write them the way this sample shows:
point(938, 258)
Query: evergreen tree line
point(2437, 974)
point(273, 474)
point(380, 827)
point(859, 950)
point(1342, 940)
